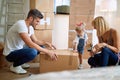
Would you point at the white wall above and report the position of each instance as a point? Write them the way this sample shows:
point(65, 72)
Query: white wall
point(94, 37)
point(60, 31)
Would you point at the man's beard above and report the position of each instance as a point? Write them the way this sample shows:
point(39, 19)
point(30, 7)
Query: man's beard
point(32, 24)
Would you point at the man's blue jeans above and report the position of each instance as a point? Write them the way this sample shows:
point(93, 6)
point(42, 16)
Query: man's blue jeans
point(21, 56)
point(105, 58)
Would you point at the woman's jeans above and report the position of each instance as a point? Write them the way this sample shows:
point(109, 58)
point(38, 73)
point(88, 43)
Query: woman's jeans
point(21, 56)
point(105, 58)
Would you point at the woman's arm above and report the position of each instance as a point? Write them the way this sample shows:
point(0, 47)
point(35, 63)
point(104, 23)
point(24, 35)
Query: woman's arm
point(116, 44)
point(114, 48)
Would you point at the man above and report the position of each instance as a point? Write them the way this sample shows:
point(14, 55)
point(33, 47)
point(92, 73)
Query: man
point(20, 34)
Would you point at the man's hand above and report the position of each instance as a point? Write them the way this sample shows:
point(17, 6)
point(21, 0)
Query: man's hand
point(50, 45)
point(53, 55)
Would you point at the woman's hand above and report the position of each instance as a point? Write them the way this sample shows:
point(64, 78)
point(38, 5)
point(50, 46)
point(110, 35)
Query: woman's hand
point(92, 53)
point(98, 47)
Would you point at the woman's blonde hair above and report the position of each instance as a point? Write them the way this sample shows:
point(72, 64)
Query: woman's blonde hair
point(100, 25)
point(80, 26)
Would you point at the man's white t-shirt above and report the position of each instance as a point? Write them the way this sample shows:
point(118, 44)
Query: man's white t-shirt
point(13, 39)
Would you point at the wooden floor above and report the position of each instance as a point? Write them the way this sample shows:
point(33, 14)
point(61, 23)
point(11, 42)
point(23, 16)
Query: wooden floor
point(5, 74)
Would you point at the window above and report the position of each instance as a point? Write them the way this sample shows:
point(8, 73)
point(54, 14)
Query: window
point(107, 9)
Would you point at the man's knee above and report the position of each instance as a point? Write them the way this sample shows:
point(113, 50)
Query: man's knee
point(32, 53)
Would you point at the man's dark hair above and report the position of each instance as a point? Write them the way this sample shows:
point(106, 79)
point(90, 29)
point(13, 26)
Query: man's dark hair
point(35, 13)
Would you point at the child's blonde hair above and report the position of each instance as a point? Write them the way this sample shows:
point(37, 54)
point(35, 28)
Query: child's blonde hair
point(80, 26)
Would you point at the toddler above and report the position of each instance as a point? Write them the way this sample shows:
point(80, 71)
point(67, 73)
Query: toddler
point(80, 41)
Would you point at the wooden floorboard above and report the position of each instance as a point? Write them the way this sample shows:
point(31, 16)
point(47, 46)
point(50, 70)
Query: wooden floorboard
point(6, 74)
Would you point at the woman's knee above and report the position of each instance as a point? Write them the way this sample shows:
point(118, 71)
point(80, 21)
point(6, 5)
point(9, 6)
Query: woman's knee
point(90, 60)
point(105, 49)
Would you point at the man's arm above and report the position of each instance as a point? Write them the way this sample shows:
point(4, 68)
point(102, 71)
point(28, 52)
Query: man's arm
point(29, 42)
point(39, 42)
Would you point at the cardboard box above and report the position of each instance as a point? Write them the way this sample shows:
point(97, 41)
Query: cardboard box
point(46, 7)
point(47, 22)
point(78, 18)
point(3, 61)
point(42, 5)
point(67, 60)
point(82, 7)
point(45, 35)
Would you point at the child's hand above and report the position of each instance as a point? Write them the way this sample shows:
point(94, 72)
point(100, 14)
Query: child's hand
point(75, 51)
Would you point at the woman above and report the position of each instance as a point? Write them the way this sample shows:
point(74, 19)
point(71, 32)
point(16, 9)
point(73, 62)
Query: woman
point(105, 52)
